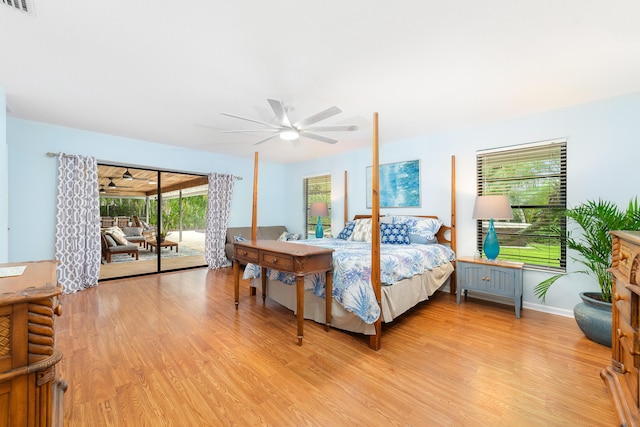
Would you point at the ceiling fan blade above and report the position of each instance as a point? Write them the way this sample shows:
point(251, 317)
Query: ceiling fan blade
point(250, 120)
point(267, 139)
point(336, 128)
point(322, 115)
point(281, 113)
point(250, 130)
point(318, 137)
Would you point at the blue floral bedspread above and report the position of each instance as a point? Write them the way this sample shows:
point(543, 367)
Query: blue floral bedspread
point(352, 271)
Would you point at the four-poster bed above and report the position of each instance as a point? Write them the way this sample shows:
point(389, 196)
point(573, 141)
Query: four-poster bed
point(364, 295)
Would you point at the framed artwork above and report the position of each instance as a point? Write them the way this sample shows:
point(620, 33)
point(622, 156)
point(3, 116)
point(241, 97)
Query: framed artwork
point(399, 185)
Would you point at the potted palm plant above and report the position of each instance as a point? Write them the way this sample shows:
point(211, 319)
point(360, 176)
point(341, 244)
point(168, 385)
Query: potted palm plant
point(163, 233)
point(594, 221)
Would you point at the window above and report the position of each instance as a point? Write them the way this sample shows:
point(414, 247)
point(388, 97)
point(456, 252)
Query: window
point(534, 176)
point(317, 189)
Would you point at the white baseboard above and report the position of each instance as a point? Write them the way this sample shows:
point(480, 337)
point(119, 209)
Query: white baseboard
point(546, 309)
point(525, 305)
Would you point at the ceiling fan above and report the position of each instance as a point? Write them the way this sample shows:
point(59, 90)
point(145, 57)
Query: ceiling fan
point(105, 189)
point(128, 176)
point(288, 130)
point(112, 185)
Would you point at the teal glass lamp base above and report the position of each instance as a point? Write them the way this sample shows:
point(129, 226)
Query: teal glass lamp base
point(319, 230)
point(491, 246)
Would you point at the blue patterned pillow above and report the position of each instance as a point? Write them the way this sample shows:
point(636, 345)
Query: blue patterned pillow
point(285, 237)
point(395, 234)
point(348, 229)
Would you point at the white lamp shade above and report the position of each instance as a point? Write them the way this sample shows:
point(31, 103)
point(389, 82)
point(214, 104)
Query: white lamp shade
point(319, 209)
point(496, 207)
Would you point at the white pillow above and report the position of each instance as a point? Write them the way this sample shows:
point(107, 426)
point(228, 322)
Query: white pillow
point(421, 230)
point(117, 235)
point(362, 230)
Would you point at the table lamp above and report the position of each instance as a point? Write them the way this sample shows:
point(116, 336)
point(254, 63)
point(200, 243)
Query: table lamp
point(492, 207)
point(319, 209)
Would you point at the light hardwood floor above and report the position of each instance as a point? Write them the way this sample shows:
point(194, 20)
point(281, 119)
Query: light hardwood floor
point(171, 350)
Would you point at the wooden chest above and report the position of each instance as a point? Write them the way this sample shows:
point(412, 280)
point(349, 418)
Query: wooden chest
point(30, 392)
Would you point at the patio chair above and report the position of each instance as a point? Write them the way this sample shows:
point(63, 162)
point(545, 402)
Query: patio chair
point(139, 223)
point(111, 247)
point(148, 231)
point(122, 221)
point(106, 221)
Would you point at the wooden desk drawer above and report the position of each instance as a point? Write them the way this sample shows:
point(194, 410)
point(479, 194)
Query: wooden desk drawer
point(277, 261)
point(246, 254)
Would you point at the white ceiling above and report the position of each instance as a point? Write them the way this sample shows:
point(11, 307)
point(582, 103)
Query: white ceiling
point(164, 70)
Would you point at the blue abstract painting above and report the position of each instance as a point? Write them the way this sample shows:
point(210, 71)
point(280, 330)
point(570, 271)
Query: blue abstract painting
point(399, 185)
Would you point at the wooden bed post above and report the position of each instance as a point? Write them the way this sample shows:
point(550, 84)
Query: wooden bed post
point(452, 278)
point(254, 215)
point(346, 205)
point(375, 340)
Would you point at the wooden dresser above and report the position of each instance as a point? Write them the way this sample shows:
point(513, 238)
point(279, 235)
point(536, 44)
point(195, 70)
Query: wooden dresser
point(30, 391)
point(622, 375)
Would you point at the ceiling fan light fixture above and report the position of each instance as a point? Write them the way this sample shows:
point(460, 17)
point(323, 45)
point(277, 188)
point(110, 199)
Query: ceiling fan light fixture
point(289, 135)
point(127, 175)
point(290, 130)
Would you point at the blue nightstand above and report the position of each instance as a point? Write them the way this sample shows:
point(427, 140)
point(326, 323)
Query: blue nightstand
point(502, 278)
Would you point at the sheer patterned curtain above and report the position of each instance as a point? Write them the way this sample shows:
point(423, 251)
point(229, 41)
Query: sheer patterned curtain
point(218, 206)
point(77, 223)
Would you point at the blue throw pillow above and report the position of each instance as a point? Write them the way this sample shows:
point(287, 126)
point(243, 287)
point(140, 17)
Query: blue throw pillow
point(395, 234)
point(348, 229)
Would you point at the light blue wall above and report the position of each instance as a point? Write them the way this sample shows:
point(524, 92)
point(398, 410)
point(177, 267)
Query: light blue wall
point(603, 148)
point(602, 159)
point(4, 180)
point(33, 179)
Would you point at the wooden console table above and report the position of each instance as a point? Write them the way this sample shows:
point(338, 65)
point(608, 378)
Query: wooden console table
point(286, 257)
point(30, 391)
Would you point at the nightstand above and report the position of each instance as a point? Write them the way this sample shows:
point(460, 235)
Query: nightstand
point(502, 278)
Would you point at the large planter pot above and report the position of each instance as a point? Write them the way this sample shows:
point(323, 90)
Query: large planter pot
point(594, 318)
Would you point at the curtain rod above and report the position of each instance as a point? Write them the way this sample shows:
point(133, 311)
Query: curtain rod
point(50, 154)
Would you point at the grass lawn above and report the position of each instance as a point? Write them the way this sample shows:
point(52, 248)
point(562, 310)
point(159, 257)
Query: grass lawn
point(532, 254)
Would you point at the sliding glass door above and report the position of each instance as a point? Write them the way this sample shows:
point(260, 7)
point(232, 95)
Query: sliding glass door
point(160, 215)
point(183, 215)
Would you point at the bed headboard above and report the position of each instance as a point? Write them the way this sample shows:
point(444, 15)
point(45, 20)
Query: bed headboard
point(444, 235)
